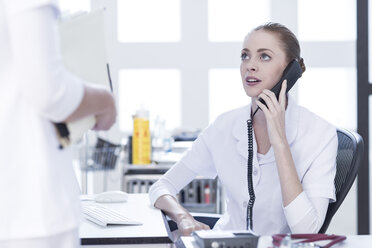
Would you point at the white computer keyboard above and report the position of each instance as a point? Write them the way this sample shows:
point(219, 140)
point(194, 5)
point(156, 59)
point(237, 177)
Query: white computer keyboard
point(104, 216)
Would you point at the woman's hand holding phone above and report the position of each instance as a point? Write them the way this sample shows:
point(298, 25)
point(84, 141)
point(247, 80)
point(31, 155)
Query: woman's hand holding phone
point(275, 114)
point(275, 120)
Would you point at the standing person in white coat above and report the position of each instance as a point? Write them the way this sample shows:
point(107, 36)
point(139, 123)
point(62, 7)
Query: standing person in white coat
point(39, 193)
point(294, 151)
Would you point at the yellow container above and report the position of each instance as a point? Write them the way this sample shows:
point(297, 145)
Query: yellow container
point(141, 143)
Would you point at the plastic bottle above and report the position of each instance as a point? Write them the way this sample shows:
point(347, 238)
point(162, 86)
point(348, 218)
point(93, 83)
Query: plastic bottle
point(167, 142)
point(141, 143)
point(207, 194)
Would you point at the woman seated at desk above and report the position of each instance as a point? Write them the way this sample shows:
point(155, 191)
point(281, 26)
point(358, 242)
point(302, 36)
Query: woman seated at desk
point(294, 151)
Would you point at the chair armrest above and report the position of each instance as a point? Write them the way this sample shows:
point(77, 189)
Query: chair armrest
point(207, 218)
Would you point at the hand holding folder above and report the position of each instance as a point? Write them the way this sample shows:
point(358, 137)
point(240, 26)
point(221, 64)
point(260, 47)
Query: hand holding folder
point(73, 132)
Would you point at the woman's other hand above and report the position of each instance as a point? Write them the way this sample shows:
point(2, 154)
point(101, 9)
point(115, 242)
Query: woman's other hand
point(187, 224)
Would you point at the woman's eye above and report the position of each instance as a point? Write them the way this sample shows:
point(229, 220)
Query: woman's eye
point(244, 56)
point(265, 57)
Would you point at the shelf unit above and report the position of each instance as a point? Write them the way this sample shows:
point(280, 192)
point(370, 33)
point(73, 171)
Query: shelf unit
point(201, 195)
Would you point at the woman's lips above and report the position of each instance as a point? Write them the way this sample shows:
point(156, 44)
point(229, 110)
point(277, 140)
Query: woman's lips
point(252, 81)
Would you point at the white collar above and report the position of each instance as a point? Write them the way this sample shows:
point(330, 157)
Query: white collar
point(240, 131)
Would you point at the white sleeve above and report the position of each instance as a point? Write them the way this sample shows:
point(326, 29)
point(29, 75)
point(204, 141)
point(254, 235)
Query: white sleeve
point(41, 77)
point(318, 181)
point(306, 215)
point(199, 158)
point(171, 182)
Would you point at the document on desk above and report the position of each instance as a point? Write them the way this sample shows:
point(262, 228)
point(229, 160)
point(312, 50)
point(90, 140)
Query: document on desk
point(84, 53)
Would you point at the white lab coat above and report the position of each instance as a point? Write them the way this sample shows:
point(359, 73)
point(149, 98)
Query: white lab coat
point(38, 188)
point(222, 150)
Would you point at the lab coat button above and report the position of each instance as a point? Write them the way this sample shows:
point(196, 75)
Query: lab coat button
point(245, 204)
point(255, 172)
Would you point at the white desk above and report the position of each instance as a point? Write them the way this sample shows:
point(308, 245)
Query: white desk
point(153, 232)
point(353, 241)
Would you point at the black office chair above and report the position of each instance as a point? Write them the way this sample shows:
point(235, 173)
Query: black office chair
point(349, 155)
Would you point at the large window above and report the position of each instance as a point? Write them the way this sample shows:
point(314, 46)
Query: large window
point(334, 21)
point(155, 90)
point(331, 93)
point(231, 20)
point(149, 21)
point(226, 91)
point(328, 45)
point(187, 54)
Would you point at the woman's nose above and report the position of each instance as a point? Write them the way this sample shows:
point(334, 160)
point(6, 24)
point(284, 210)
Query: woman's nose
point(251, 65)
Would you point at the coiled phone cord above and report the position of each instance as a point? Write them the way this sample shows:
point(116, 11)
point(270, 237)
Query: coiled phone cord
point(252, 196)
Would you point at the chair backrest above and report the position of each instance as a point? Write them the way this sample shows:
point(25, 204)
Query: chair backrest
point(349, 156)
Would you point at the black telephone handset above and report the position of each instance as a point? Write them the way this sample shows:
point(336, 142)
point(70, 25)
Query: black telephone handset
point(292, 72)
